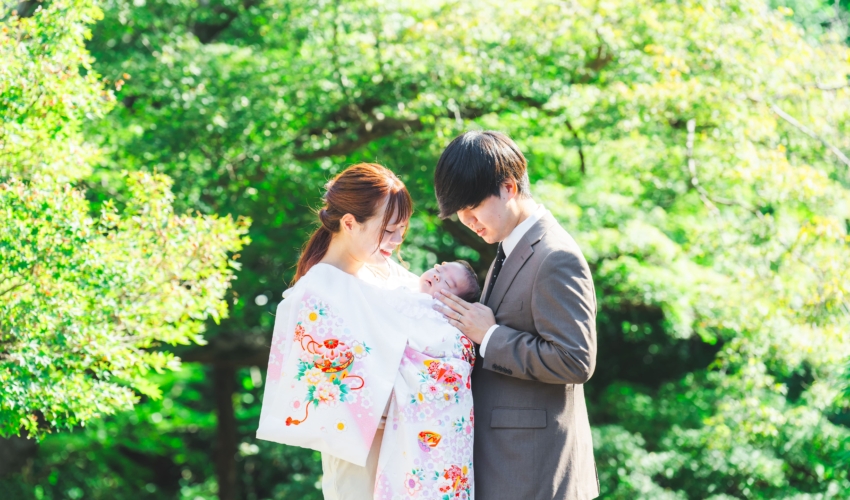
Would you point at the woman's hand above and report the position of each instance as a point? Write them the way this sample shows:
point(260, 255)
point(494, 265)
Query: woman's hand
point(473, 320)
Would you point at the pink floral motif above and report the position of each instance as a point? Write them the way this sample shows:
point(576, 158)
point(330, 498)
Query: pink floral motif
point(327, 393)
point(412, 484)
point(306, 357)
point(431, 389)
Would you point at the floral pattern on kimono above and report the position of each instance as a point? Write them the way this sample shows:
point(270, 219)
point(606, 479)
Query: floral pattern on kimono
point(427, 448)
point(340, 348)
point(332, 364)
point(327, 360)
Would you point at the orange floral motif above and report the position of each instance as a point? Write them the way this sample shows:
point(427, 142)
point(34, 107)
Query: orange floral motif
point(299, 332)
point(428, 440)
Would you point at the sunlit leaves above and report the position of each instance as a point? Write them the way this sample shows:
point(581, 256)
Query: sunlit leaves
point(84, 300)
point(87, 298)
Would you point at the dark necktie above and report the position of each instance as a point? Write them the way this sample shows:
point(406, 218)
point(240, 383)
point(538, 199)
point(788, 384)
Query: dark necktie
point(497, 268)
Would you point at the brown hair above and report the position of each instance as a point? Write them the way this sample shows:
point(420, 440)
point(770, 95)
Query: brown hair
point(358, 190)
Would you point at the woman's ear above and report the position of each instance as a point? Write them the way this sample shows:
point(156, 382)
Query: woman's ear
point(348, 223)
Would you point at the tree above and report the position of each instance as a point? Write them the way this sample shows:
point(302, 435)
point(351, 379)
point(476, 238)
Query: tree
point(696, 150)
point(86, 299)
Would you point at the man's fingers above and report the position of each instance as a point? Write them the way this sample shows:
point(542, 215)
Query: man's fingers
point(450, 304)
point(449, 313)
point(454, 299)
point(455, 323)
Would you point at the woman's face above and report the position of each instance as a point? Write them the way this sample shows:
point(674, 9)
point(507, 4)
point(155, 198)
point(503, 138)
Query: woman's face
point(364, 238)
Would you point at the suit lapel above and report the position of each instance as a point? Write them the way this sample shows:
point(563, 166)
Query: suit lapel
point(484, 298)
point(515, 261)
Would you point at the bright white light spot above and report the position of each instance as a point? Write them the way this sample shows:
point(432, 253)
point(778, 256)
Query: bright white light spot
point(247, 449)
point(261, 300)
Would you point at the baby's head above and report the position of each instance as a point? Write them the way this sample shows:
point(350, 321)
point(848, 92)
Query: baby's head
point(457, 277)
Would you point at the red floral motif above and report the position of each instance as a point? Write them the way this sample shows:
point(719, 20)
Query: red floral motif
point(442, 372)
point(299, 332)
point(468, 350)
point(457, 478)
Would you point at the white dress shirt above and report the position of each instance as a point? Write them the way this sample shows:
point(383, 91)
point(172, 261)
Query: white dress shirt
point(508, 246)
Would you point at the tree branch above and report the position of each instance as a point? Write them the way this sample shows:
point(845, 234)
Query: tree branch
point(829, 88)
point(580, 151)
point(710, 201)
point(811, 133)
point(367, 132)
point(208, 32)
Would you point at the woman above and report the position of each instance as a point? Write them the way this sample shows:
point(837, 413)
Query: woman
point(352, 222)
point(341, 345)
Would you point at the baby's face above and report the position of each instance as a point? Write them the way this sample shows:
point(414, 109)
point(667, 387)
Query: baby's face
point(448, 276)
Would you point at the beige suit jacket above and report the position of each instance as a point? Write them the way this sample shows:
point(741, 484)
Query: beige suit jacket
point(532, 435)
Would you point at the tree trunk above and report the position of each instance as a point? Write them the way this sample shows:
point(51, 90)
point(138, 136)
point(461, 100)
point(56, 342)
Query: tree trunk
point(224, 379)
point(15, 452)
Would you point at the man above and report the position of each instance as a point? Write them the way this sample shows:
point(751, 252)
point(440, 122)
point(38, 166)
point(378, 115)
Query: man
point(535, 327)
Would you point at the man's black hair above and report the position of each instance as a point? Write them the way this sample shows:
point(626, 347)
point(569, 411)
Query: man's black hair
point(472, 290)
point(473, 168)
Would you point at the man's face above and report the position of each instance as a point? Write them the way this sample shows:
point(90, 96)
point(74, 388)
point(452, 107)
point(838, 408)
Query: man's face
point(490, 219)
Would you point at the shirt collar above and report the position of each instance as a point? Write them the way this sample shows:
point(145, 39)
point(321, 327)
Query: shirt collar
point(512, 240)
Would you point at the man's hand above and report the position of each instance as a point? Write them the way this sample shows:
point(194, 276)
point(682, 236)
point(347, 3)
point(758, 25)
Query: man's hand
point(473, 320)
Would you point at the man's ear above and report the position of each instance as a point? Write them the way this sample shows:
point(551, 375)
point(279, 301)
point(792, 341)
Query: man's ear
point(347, 223)
point(510, 189)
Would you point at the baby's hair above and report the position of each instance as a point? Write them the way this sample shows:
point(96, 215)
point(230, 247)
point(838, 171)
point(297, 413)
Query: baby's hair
point(472, 291)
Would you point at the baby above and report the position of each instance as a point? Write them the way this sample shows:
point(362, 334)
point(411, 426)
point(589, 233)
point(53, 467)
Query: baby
point(457, 277)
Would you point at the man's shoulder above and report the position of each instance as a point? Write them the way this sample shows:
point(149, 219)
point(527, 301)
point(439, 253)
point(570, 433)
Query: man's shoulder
point(557, 252)
point(557, 242)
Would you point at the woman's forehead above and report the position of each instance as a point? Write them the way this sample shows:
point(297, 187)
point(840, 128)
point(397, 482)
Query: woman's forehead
point(394, 220)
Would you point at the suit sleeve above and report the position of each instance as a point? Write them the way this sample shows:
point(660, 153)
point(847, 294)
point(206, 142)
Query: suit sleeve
point(563, 307)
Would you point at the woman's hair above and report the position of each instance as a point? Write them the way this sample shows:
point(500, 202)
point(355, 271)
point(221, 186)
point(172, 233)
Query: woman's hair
point(359, 190)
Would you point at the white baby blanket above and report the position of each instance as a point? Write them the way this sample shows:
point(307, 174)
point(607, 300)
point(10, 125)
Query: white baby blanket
point(340, 347)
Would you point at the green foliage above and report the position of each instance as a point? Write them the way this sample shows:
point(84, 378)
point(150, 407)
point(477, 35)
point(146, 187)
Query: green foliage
point(693, 149)
point(86, 300)
point(162, 449)
point(696, 150)
point(47, 89)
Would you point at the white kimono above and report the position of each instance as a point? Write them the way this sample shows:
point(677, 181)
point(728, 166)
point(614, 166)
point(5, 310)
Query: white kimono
point(340, 347)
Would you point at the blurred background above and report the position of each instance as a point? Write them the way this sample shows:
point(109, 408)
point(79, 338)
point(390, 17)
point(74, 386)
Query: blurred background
point(696, 150)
